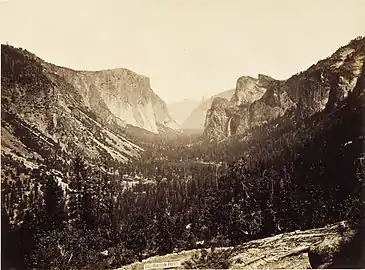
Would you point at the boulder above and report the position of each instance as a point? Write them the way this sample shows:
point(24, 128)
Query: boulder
point(329, 250)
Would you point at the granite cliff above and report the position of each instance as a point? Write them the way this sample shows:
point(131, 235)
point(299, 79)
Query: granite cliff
point(259, 101)
point(121, 92)
point(224, 116)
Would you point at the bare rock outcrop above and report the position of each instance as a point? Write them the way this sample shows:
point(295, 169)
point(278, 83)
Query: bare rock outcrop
point(342, 249)
point(126, 94)
point(321, 87)
point(217, 117)
point(235, 117)
point(293, 250)
point(249, 89)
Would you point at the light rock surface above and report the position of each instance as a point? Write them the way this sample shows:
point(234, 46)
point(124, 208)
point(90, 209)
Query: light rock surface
point(256, 102)
point(126, 94)
point(283, 251)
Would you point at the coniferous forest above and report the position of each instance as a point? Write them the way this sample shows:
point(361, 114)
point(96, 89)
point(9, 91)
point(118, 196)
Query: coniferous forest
point(82, 188)
point(182, 195)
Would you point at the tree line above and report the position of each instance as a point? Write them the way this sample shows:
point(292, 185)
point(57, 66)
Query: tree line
point(90, 217)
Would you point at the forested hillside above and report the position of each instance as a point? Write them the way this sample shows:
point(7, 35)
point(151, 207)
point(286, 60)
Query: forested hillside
point(183, 192)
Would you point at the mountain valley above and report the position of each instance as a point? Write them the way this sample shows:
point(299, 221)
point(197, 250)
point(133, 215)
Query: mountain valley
point(93, 161)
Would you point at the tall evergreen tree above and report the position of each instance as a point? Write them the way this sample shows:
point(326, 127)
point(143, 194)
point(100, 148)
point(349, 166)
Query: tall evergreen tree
point(77, 178)
point(135, 234)
point(164, 237)
point(54, 213)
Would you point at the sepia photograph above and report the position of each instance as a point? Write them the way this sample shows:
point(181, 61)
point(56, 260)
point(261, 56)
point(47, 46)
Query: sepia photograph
point(182, 134)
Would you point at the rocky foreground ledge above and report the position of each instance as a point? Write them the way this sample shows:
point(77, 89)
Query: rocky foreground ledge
point(315, 248)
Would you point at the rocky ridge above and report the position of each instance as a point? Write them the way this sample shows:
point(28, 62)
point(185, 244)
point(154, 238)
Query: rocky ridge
point(262, 100)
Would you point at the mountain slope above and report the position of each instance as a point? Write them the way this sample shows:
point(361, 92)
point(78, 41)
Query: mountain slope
point(46, 119)
point(195, 121)
point(320, 87)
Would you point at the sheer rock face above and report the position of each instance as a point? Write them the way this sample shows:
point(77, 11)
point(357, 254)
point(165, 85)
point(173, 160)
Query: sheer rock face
point(233, 117)
point(127, 95)
point(217, 117)
point(259, 101)
point(249, 89)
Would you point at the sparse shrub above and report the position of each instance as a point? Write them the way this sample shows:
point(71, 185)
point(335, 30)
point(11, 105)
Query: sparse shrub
point(212, 259)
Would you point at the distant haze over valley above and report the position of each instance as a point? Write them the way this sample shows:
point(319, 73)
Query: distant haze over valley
point(180, 110)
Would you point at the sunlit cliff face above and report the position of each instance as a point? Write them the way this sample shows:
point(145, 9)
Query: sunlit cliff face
point(321, 87)
point(124, 93)
point(226, 118)
point(217, 118)
point(248, 89)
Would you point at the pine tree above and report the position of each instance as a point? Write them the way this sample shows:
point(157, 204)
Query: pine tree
point(164, 237)
point(135, 235)
point(87, 211)
point(80, 215)
point(78, 176)
point(54, 205)
point(105, 192)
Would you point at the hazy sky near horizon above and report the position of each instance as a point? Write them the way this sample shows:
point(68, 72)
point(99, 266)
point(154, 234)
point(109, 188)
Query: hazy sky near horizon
point(188, 48)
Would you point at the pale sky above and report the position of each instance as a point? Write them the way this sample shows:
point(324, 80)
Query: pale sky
point(188, 48)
